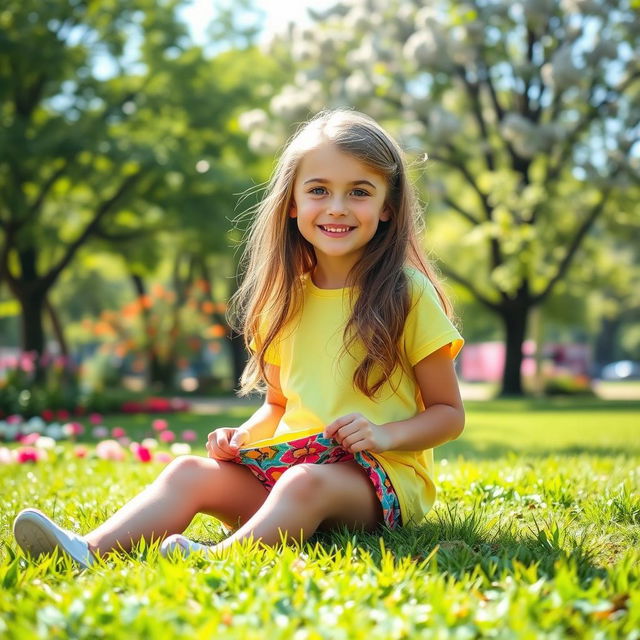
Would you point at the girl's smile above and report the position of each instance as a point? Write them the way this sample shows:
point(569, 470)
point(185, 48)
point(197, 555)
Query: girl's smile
point(338, 202)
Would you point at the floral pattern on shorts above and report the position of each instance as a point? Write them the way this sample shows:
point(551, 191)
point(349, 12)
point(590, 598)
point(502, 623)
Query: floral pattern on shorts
point(270, 462)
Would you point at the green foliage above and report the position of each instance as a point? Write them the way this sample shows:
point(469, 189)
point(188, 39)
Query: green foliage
point(520, 545)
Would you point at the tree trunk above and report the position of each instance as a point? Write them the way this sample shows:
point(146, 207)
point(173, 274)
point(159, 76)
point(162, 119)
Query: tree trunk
point(58, 330)
point(515, 323)
point(606, 347)
point(32, 303)
point(239, 355)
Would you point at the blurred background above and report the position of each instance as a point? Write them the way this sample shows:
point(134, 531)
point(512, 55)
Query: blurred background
point(137, 134)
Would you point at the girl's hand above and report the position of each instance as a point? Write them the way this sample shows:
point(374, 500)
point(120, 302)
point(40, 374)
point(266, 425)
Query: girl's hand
point(355, 433)
point(223, 444)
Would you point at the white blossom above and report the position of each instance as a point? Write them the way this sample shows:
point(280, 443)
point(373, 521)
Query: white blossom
point(45, 442)
point(358, 85)
point(423, 47)
point(150, 443)
point(427, 18)
point(561, 72)
point(358, 19)
point(253, 119)
point(180, 449)
point(291, 103)
point(583, 7)
point(263, 142)
point(304, 50)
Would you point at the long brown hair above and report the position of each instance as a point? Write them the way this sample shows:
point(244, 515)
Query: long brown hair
point(276, 256)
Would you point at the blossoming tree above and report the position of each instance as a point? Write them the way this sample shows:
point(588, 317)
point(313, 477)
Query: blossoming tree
point(528, 111)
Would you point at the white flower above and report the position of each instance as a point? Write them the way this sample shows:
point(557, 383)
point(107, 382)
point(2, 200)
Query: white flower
point(563, 72)
point(304, 50)
point(45, 442)
point(253, 119)
point(426, 17)
point(425, 48)
point(358, 85)
point(263, 142)
point(291, 103)
point(150, 443)
point(357, 20)
point(180, 449)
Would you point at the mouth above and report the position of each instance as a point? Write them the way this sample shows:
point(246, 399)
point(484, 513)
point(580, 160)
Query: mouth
point(335, 230)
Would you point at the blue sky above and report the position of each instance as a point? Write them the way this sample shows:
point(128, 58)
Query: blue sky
point(277, 13)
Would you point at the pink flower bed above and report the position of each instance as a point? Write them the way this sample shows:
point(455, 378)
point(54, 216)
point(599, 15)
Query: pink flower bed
point(38, 441)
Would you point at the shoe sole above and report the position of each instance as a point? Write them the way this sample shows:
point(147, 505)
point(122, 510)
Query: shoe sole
point(32, 535)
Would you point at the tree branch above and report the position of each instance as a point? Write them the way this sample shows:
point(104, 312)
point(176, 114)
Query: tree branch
point(463, 212)
point(573, 246)
point(473, 93)
point(468, 285)
point(90, 229)
point(123, 236)
point(468, 177)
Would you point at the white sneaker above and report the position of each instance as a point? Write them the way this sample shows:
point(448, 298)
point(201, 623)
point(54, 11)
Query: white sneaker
point(37, 535)
point(178, 543)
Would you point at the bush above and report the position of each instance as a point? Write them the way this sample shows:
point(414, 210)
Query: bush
point(568, 385)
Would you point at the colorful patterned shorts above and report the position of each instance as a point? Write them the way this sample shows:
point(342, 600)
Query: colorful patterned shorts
point(270, 462)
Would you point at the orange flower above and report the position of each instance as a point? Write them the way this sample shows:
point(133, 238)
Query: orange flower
point(208, 307)
point(216, 331)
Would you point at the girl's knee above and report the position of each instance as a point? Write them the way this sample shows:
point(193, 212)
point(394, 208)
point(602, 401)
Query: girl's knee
point(304, 482)
point(185, 469)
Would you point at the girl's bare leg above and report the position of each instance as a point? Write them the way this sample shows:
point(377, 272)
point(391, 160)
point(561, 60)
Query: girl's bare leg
point(186, 486)
point(309, 496)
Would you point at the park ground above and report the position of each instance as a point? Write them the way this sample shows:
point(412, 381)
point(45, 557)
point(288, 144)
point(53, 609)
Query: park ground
point(535, 535)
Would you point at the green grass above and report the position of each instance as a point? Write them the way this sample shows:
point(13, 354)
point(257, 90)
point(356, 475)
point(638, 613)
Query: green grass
point(536, 534)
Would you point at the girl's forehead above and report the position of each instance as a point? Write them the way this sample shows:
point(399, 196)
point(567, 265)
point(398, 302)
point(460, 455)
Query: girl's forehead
point(328, 162)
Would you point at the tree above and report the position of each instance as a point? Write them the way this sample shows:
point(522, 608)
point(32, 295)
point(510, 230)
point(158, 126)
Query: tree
point(527, 110)
point(116, 127)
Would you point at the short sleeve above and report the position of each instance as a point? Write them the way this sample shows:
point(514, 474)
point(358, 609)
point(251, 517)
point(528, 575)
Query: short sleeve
point(272, 355)
point(427, 327)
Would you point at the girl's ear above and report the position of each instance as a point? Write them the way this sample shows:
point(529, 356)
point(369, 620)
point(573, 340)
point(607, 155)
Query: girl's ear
point(293, 211)
point(385, 214)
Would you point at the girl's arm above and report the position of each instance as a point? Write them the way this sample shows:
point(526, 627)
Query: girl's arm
point(263, 423)
point(443, 418)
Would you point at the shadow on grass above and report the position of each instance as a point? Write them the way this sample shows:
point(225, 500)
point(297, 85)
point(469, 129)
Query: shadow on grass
point(468, 543)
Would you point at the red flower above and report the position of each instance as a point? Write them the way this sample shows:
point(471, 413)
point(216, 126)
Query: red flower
point(27, 454)
point(47, 415)
point(62, 414)
point(142, 453)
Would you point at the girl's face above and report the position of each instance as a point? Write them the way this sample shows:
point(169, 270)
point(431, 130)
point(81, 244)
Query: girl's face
point(338, 202)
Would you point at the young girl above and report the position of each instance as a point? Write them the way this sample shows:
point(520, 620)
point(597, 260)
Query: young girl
point(351, 341)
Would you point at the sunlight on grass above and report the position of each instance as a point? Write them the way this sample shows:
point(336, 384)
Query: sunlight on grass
point(535, 534)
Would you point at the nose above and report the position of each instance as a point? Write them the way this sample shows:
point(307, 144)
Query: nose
point(337, 206)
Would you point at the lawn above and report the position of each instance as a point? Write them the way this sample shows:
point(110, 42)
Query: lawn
point(536, 534)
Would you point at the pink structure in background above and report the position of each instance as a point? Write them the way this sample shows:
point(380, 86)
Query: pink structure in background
point(484, 361)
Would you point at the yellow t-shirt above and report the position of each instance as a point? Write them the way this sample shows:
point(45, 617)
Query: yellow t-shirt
point(318, 385)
